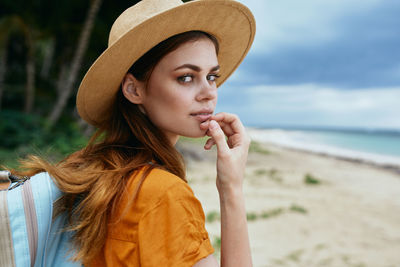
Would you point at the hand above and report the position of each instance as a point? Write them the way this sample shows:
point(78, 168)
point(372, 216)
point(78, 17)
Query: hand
point(231, 152)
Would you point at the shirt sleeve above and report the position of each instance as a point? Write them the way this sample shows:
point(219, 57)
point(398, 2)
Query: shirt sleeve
point(172, 233)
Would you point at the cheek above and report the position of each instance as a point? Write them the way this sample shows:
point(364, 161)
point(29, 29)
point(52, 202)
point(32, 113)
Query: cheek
point(171, 99)
point(167, 102)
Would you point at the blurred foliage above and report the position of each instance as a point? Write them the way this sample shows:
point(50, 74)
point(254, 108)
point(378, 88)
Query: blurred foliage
point(53, 28)
point(19, 128)
point(216, 243)
point(251, 216)
point(272, 213)
point(256, 147)
point(212, 216)
point(46, 33)
point(38, 43)
point(297, 208)
point(27, 134)
point(311, 180)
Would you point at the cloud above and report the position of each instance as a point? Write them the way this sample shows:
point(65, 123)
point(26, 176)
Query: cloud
point(309, 22)
point(319, 63)
point(346, 44)
point(313, 105)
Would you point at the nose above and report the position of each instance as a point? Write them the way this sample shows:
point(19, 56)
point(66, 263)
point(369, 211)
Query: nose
point(208, 91)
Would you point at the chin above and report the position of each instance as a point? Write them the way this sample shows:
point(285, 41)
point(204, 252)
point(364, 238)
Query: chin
point(195, 134)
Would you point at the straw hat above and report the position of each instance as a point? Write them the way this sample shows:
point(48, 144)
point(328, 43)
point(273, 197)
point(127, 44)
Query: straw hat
point(149, 22)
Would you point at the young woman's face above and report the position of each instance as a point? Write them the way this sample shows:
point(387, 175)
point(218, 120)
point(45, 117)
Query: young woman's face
point(181, 92)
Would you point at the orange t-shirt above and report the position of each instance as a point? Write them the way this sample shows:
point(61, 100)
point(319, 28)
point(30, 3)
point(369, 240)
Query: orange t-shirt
point(164, 226)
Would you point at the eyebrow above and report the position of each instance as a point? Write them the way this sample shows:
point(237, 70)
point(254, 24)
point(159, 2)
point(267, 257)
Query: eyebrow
point(196, 68)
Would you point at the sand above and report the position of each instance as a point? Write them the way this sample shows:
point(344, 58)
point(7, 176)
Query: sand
point(349, 216)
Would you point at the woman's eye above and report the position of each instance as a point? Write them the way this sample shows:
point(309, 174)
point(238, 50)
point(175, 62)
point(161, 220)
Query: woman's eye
point(185, 78)
point(213, 77)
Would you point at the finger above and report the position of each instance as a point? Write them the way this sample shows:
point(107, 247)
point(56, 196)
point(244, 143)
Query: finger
point(219, 138)
point(227, 129)
point(234, 138)
point(230, 119)
point(204, 125)
point(208, 145)
point(234, 141)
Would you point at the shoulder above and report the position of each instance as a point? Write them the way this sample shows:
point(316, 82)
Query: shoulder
point(159, 182)
point(158, 187)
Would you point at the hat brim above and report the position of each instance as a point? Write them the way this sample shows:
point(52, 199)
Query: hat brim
point(230, 22)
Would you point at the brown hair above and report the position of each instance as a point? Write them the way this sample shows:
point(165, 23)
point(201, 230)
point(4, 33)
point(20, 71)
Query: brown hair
point(94, 177)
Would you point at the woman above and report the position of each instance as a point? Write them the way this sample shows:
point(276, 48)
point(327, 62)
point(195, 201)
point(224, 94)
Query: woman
point(126, 191)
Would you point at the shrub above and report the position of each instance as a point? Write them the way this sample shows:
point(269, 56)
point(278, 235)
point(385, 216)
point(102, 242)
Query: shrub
point(22, 134)
point(271, 213)
point(298, 209)
point(251, 216)
point(311, 180)
point(258, 148)
point(212, 216)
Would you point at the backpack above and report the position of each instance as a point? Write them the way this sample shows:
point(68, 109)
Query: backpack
point(29, 235)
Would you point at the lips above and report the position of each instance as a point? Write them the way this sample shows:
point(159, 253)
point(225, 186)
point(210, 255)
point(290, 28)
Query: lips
point(202, 115)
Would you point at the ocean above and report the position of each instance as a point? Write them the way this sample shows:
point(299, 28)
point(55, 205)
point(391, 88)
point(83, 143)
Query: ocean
point(377, 146)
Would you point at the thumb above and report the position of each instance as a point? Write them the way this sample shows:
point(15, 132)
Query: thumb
point(219, 137)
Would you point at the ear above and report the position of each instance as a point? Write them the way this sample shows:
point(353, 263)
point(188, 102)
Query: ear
point(133, 89)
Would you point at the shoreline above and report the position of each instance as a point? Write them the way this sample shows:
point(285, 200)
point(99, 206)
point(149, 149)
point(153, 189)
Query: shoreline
point(308, 209)
point(276, 137)
point(384, 166)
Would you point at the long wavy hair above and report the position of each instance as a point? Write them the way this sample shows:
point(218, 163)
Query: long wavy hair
point(94, 178)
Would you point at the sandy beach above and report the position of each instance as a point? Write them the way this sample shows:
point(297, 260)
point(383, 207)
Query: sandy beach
point(306, 209)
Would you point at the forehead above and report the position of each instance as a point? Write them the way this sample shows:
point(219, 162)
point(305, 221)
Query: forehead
point(199, 52)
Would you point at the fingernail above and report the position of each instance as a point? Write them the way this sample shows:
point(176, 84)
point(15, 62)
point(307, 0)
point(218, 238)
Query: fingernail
point(213, 125)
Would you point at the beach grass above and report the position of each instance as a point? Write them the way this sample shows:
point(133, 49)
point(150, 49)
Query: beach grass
point(272, 174)
point(272, 213)
point(256, 147)
point(297, 208)
point(309, 179)
point(260, 172)
point(251, 216)
point(212, 216)
point(293, 213)
point(217, 243)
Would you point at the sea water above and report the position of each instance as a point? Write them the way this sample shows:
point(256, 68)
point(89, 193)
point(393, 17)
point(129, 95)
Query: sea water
point(379, 146)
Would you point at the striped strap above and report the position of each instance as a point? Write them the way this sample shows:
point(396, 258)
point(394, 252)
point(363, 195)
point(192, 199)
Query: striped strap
point(31, 219)
point(6, 244)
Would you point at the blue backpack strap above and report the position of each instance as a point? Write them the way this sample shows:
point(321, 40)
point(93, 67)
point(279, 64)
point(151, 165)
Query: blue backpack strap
point(18, 227)
point(35, 237)
point(31, 219)
point(6, 244)
point(54, 241)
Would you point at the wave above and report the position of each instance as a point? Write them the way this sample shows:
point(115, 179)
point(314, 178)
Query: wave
point(321, 142)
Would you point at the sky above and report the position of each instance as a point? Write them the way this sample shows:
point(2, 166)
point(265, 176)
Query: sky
point(330, 63)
